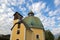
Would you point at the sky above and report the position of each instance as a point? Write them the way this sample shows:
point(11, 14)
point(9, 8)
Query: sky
point(48, 11)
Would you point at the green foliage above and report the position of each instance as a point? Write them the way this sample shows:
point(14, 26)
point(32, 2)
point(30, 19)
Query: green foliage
point(4, 37)
point(48, 35)
point(59, 38)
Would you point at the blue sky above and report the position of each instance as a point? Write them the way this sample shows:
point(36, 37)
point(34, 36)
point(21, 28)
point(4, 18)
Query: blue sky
point(48, 11)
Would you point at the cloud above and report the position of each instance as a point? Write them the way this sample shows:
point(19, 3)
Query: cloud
point(54, 13)
point(16, 2)
point(57, 2)
point(6, 15)
point(50, 21)
point(6, 23)
point(47, 21)
point(55, 30)
point(8, 7)
point(47, 9)
point(58, 18)
point(36, 7)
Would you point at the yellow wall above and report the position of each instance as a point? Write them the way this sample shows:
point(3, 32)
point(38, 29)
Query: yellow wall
point(15, 21)
point(14, 34)
point(39, 32)
point(31, 35)
point(28, 34)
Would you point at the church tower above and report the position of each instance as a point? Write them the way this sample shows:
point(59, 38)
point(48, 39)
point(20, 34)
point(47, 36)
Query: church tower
point(29, 28)
point(18, 29)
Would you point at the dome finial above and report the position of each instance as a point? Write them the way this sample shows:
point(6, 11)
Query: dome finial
point(31, 13)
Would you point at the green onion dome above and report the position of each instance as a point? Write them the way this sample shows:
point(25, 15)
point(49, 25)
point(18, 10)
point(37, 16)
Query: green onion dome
point(33, 22)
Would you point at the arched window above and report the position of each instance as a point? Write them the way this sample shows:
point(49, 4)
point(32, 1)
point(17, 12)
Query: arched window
point(17, 39)
point(37, 36)
point(18, 31)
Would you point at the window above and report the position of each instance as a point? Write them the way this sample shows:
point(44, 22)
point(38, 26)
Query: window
point(37, 36)
point(17, 39)
point(18, 31)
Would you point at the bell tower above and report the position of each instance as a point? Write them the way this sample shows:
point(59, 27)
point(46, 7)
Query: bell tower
point(17, 17)
point(16, 27)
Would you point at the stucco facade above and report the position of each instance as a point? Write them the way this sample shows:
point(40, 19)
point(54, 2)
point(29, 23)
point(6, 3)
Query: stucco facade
point(30, 28)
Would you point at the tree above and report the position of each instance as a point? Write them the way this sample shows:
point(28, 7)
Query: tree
point(59, 38)
point(4, 37)
point(48, 35)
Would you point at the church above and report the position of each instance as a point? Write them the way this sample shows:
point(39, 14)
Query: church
point(28, 28)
